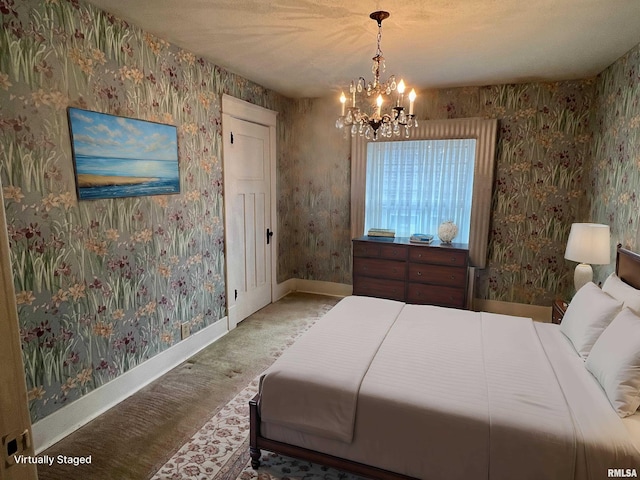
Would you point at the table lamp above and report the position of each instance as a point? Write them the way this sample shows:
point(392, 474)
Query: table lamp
point(589, 243)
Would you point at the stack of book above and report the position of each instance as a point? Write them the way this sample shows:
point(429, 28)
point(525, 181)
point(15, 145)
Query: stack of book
point(381, 232)
point(421, 238)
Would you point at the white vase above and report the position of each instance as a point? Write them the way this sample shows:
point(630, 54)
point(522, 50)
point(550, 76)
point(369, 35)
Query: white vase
point(447, 231)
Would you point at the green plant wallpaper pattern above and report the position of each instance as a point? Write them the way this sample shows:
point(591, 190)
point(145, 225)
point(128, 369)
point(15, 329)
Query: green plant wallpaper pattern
point(104, 285)
point(614, 180)
point(315, 212)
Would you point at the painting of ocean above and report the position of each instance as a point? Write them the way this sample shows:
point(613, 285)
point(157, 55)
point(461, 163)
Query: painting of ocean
point(122, 157)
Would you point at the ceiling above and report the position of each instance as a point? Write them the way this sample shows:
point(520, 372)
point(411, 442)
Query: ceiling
point(313, 48)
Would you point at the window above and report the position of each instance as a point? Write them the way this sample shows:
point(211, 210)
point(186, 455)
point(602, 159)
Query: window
point(484, 132)
point(413, 186)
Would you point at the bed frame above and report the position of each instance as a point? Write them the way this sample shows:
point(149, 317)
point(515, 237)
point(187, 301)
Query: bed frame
point(627, 268)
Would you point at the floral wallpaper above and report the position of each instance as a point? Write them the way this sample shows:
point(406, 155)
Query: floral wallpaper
point(614, 180)
point(542, 147)
point(103, 285)
point(315, 211)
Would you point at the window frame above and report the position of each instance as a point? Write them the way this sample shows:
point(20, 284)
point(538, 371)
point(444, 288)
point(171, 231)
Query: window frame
point(484, 131)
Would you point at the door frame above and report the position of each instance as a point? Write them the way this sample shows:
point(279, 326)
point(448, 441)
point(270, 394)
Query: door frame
point(15, 422)
point(233, 107)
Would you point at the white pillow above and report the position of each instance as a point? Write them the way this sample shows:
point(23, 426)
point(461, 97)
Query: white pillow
point(615, 362)
point(588, 314)
point(629, 296)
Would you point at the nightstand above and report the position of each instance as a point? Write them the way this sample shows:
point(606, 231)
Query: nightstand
point(558, 311)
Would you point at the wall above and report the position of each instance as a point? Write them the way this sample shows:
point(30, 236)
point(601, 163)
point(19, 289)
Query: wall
point(614, 180)
point(103, 285)
point(315, 243)
point(539, 187)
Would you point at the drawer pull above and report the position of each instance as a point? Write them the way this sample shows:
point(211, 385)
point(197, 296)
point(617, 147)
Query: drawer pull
point(419, 274)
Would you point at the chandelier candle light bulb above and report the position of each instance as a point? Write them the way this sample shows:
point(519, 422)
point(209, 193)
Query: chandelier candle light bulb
point(412, 97)
point(377, 124)
point(400, 94)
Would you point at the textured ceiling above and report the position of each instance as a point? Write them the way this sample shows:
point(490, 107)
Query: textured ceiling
point(304, 48)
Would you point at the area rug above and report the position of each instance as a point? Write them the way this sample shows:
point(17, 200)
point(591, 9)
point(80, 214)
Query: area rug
point(220, 451)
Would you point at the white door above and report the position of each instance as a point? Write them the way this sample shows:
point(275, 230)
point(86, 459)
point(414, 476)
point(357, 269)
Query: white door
point(248, 207)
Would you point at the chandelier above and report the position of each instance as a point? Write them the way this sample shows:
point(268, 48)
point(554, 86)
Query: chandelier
point(377, 124)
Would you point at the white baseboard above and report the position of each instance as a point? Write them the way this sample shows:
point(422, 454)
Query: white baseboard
point(311, 286)
point(283, 289)
point(62, 422)
point(324, 288)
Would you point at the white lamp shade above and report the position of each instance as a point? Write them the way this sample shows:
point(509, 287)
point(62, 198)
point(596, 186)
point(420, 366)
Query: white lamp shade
point(589, 243)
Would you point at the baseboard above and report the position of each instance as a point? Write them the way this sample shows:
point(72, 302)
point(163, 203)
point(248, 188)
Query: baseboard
point(283, 289)
point(62, 422)
point(537, 312)
point(323, 288)
point(311, 286)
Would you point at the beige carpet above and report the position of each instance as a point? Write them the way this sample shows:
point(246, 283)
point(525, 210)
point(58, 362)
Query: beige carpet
point(137, 437)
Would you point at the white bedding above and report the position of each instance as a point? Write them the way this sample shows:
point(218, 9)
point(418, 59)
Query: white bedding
point(320, 397)
point(458, 395)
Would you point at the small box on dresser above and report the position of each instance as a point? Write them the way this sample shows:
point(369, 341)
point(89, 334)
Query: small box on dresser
point(421, 274)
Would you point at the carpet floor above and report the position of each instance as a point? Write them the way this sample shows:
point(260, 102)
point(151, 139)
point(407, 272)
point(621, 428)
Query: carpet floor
point(220, 451)
point(134, 439)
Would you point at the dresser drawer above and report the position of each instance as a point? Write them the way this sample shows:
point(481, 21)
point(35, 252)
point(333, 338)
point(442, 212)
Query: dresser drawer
point(375, 267)
point(420, 293)
point(366, 249)
point(438, 275)
point(440, 256)
point(378, 287)
point(380, 250)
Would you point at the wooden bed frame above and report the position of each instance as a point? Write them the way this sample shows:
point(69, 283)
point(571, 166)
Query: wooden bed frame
point(627, 268)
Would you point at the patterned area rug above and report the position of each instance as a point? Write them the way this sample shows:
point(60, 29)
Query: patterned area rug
point(220, 451)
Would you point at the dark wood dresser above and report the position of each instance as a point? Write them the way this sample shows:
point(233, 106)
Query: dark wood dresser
point(394, 268)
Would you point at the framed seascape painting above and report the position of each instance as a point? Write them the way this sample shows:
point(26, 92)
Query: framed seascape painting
point(122, 157)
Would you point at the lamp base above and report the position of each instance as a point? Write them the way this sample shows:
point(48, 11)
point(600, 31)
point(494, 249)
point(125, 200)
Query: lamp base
point(582, 275)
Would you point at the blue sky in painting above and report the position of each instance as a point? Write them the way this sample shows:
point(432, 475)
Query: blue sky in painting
point(107, 136)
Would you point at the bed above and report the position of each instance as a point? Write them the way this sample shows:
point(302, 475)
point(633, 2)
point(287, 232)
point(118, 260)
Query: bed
point(388, 390)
